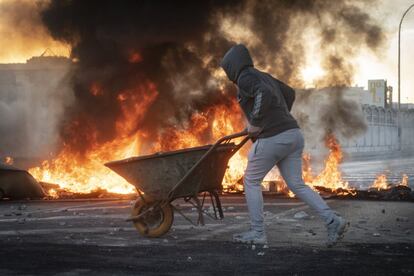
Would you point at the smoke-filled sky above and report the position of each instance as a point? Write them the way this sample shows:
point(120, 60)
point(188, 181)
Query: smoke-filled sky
point(23, 35)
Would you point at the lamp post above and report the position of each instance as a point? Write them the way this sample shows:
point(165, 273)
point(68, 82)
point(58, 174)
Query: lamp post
point(399, 76)
point(399, 56)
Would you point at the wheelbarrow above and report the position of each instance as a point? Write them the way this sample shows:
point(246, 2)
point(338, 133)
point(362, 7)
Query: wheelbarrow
point(191, 174)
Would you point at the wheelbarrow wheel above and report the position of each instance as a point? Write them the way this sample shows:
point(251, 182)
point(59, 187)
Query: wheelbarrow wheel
point(154, 223)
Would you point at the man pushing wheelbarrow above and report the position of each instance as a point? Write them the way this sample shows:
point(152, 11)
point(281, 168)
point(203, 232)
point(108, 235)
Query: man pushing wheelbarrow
point(267, 102)
point(196, 174)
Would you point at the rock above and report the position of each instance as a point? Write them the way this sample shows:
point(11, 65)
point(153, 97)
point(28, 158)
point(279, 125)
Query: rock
point(189, 259)
point(253, 247)
point(265, 246)
point(165, 241)
point(62, 223)
point(301, 215)
point(408, 232)
point(312, 232)
point(383, 211)
point(402, 219)
point(239, 217)
point(260, 253)
point(376, 234)
point(21, 220)
point(267, 214)
point(22, 207)
point(230, 208)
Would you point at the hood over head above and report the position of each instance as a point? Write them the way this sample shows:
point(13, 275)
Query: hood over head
point(235, 60)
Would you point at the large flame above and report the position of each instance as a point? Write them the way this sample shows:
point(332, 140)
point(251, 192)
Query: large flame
point(330, 177)
point(84, 173)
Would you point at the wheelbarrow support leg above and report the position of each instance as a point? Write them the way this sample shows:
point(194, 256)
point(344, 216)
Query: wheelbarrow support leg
point(218, 204)
point(200, 211)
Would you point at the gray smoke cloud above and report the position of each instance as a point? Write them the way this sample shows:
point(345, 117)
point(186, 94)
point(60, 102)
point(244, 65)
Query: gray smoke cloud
point(32, 104)
point(181, 44)
point(328, 110)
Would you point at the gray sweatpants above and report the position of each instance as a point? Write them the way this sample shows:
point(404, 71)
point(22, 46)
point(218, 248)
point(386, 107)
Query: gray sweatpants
point(284, 150)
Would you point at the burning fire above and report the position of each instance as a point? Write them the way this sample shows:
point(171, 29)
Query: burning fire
point(381, 182)
point(331, 176)
point(8, 160)
point(86, 173)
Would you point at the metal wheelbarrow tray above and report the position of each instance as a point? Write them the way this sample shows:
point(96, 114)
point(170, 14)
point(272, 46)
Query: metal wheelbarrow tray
point(161, 178)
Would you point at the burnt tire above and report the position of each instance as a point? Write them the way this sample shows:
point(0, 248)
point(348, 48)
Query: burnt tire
point(154, 223)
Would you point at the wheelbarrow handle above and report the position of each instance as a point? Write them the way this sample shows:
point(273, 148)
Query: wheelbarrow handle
point(228, 138)
point(235, 135)
point(223, 140)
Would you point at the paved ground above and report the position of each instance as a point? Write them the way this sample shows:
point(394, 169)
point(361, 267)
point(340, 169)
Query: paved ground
point(91, 237)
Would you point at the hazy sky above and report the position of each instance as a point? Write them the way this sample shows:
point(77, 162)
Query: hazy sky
point(17, 47)
point(389, 12)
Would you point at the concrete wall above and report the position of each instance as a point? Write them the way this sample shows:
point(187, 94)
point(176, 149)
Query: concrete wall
point(382, 132)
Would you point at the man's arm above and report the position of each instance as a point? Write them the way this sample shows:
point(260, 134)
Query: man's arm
point(261, 94)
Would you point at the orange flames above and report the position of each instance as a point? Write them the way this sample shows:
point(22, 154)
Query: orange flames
point(8, 160)
point(85, 173)
point(381, 182)
point(331, 176)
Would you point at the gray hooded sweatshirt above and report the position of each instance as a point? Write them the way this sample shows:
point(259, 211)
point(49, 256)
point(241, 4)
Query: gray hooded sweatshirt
point(265, 101)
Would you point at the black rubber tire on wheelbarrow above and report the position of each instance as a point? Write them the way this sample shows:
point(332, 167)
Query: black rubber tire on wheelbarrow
point(156, 223)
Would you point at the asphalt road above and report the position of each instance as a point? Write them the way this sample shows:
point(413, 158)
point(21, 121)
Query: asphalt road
point(92, 237)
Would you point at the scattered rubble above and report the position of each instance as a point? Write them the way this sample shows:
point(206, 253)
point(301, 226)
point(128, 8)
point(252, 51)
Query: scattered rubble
point(301, 215)
point(402, 219)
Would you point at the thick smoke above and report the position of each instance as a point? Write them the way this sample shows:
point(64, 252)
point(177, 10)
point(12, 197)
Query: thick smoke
point(177, 45)
point(32, 102)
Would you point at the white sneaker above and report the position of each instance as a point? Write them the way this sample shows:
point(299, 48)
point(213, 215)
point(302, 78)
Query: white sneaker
point(251, 237)
point(336, 230)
